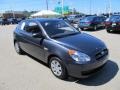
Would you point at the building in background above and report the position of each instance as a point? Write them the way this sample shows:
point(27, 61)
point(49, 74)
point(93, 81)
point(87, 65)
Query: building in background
point(13, 14)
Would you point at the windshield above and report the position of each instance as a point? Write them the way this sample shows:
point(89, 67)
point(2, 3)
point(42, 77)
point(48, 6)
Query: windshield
point(58, 28)
point(88, 19)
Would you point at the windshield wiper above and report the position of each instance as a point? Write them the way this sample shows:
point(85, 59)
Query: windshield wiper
point(73, 33)
point(64, 35)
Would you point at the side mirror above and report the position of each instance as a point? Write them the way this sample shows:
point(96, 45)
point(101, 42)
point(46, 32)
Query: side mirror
point(37, 35)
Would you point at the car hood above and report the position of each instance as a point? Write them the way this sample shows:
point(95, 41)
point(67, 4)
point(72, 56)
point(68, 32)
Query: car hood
point(82, 42)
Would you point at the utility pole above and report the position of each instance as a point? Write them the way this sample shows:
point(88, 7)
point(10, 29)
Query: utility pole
point(47, 4)
point(109, 9)
point(90, 7)
point(13, 14)
point(62, 7)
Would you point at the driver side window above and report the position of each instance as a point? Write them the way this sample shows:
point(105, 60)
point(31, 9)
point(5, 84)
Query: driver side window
point(33, 27)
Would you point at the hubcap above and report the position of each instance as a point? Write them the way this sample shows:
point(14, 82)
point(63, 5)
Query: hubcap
point(17, 47)
point(95, 27)
point(56, 68)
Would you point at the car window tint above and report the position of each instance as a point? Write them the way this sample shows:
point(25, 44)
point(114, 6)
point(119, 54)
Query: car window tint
point(33, 27)
point(57, 27)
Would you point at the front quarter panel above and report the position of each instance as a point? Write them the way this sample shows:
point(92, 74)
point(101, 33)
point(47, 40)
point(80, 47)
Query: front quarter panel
point(53, 48)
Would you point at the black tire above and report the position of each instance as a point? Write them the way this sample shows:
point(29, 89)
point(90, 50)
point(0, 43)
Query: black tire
point(63, 71)
point(82, 29)
point(17, 48)
point(108, 31)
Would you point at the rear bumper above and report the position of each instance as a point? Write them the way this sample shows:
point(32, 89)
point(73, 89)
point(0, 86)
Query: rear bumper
point(86, 70)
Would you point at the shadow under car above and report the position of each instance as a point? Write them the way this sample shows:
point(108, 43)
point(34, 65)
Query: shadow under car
point(105, 75)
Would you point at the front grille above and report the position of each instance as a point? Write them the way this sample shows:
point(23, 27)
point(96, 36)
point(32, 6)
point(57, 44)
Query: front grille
point(101, 54)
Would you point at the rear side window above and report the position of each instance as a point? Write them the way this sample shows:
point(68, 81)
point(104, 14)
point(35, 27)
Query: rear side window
point(33, 27)
point(21, 26)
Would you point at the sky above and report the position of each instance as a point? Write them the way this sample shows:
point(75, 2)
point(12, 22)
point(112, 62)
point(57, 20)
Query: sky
point(97, 6)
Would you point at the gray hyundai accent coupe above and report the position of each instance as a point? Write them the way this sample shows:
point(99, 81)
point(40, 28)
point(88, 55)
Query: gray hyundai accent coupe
point(65, 49)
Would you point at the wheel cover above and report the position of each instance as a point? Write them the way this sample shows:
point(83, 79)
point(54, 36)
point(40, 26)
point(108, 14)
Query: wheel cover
point(95, 27)
point(56, 68)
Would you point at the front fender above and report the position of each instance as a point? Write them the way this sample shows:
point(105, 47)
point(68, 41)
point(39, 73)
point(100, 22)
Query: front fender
point(55, 49)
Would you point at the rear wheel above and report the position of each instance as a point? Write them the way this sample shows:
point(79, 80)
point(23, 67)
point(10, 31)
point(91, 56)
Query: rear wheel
point(17, 48)
point(57, 68)
point(95, 28)
point(109, 31)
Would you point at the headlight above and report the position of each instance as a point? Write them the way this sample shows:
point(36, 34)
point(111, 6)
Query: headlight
point(79, 57)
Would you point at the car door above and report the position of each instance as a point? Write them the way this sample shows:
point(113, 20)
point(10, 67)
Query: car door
point(97, 21)
point(31, 45)
point(100, 22)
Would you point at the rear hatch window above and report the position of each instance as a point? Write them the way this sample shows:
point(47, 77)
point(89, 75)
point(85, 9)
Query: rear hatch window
point(115, 18)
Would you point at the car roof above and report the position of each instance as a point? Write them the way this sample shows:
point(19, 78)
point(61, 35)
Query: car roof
point(44, 19)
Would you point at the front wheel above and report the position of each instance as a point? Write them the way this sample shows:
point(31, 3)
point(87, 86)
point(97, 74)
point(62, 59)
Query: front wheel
point(57, 68)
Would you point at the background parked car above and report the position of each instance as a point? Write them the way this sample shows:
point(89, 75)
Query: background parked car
point(65, 19)
point(74, 18)
point(19, 20)
point(68, 21)
point(13, 21)
point(5, 21)
point(113, 23)
point(92, 22)
point(0, 21)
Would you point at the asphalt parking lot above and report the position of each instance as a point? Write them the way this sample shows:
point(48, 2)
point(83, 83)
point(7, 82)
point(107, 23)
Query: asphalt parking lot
point(25, 73)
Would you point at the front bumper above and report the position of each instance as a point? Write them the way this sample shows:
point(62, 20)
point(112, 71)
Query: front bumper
point(86, 27)
point(86, 70)
point(113, 28)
